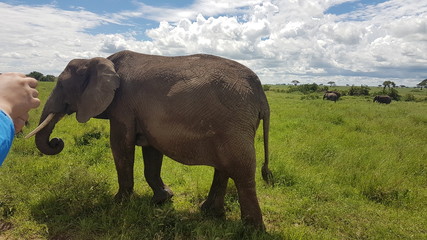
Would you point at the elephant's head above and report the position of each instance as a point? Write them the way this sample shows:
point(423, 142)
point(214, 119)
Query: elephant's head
point(86, 87)
point(375, 98)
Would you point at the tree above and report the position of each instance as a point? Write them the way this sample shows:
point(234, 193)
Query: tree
point(35, 75)
point(422, 84)
point(295, 82)
point(388, 84)
point(332, 83)
point(48, 78)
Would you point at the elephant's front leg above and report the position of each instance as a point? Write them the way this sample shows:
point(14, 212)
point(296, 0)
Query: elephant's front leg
point(122, 140)
point(152, 166)
point(214, 204)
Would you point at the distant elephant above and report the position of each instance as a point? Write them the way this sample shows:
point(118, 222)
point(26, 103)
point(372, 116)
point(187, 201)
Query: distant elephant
point(382, 99)
point(330, 96)
point(198, 110)
point(336, 92)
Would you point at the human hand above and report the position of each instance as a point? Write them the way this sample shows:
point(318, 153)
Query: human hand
point(17, 96)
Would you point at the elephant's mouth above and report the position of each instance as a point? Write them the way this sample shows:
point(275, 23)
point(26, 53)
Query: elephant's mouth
point(41, 125)
point(68, 109)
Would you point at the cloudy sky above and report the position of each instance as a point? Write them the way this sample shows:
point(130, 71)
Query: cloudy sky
point(345, 41)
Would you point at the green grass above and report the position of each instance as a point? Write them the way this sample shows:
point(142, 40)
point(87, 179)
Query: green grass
point(346, 170)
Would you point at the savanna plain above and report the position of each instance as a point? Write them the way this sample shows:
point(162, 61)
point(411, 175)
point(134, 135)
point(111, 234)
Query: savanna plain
point(353, 169)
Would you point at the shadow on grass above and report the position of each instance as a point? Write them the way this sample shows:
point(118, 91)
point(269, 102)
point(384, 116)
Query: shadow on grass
point(83, 212)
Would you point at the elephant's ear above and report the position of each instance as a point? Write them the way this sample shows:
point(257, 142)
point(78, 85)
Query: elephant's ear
point(101, 83)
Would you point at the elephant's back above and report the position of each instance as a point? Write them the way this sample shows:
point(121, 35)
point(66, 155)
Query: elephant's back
point(190, 87)
point(199, 76)
point(199, 68)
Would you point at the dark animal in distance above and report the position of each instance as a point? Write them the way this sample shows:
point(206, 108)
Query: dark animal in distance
point(382, 99)
point(336, 92)
point(330, 96)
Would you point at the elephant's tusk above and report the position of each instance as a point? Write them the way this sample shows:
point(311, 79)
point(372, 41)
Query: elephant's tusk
point(41, 126)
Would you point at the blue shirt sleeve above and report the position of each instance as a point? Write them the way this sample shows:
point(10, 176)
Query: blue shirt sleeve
point(7, 132)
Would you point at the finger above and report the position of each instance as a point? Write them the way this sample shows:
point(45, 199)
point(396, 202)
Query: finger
point(32, 82)
point(19, 123)
point(34, 93)
point(35, 103)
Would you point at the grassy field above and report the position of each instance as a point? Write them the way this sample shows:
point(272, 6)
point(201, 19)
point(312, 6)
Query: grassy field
point(352, 169)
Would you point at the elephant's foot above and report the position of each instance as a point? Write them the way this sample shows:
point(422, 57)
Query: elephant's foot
point(209, 208)
point(255, 224)
point(162, 196)
point(122, 196)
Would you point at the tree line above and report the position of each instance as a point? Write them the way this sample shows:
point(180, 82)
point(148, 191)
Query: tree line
point(41, 77)
point(423, 84)
point(386, 84)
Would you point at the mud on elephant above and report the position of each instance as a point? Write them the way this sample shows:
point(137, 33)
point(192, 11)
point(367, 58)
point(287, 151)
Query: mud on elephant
point(198, 110)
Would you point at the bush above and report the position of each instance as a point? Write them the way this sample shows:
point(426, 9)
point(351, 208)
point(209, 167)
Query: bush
point(394, 94)
point(307, 88)
point(359, 91)
point(409, 97)
point(266, 87)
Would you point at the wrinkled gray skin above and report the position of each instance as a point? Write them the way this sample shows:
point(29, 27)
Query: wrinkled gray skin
point(330, 96)
point(382, 99)
point(198, 110)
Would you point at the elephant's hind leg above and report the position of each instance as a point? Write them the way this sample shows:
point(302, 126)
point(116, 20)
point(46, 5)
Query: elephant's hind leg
point(214, 204)
point(243, 174)
point(152, 166)
point(249, 207)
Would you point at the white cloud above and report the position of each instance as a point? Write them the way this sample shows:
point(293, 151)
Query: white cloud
point(114, 43)
point(281, 40)
point(42, 37)
point(204, 7)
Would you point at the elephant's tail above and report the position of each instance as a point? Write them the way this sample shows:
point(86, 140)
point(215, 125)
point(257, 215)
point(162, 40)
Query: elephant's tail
point(267, 175)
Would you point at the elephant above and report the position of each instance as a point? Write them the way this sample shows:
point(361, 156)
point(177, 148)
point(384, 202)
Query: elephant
point(336, 92)
point(382, 99)
point(198, 110)
point(330, 96)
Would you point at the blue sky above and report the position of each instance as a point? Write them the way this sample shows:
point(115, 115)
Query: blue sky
point(349, 42)
point(351, 6)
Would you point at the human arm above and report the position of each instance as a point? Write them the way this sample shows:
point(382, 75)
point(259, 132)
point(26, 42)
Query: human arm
point(7, 131)
point(17, 96)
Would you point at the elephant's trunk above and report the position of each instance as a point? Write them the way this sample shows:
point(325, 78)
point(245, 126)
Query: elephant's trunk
point(46, 146)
